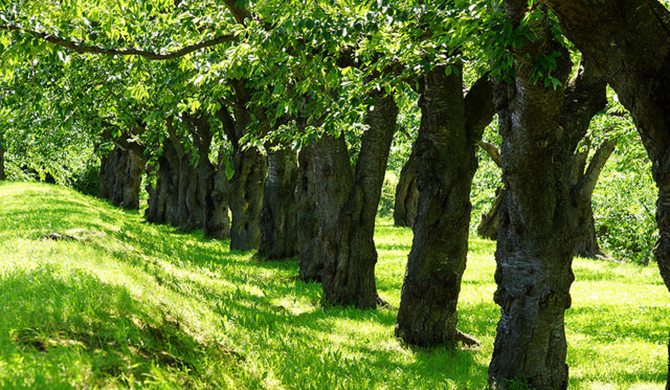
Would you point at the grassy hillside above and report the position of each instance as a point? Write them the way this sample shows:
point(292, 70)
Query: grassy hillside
point(130, 304)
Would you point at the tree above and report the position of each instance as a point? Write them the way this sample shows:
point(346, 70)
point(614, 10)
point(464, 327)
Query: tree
point(533, 255)
point(406, 193)
point(278, 215)
point(585, 96)
point(452, 125)
point(629, 43)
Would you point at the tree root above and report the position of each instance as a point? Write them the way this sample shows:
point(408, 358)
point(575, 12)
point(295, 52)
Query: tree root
point(466, 339)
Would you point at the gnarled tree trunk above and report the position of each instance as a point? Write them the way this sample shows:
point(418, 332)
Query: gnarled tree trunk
point(210, 203)
point(406, 193)
point(534, 255)
point(246, 198)
point(629, 42)
point(584, 97)
point(446, 161)
point(190, 192)
point(323, 190)
point(120, 177)
point(347, 241)
point(278, 215)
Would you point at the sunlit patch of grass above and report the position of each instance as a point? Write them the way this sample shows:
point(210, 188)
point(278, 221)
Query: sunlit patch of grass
point(129, 304)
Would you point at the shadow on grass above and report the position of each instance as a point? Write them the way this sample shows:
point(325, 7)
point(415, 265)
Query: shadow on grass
point(267, 312)
point(51, 312)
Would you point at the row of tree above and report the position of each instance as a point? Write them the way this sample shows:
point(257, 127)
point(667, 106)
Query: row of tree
point(284, 113)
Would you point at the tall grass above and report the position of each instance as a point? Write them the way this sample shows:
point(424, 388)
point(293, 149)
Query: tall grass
point(133, 305)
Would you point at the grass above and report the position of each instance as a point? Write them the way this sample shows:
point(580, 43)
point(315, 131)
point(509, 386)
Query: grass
point(133, 305)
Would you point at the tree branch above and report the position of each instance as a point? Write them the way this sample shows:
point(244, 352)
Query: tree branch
point(479, 109)
point(93, 49)
point(585, 95)
point(588, 183)
point(239, 13)
point(492, 150)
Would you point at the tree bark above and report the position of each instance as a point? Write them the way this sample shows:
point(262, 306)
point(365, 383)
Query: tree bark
point(490, 222)
point(585, 96)
point(406, 193)
point(446, 163)
point(190, 192)
point(534, 255)
point(278, 215)
point(220, 221)
point(210, 203)
point(324, 187)
point(120, 177)
point(348, 245)
point(629, 42)
point(581, 212)
point(246, 198)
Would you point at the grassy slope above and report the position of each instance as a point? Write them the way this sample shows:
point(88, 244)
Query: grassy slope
point(139, 305)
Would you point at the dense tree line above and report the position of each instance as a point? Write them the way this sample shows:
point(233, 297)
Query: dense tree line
point(284, 115)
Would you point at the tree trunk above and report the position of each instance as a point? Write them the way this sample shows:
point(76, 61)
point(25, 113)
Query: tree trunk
point(348, 245)
point(629, 42)
point(446, 162)
point(246, 198)
point(278, 215)
point(406, 193)
point(190, 192)
point(534, 255)
point(120, 177)
point(323, 190)
point(163, 198)
point(489, 224)
point(219, 223)
point(585, 96)
point(211, 202)
point(583, 183)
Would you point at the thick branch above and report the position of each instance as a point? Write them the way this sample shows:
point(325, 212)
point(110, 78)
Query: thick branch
point(93, 49)
point(239, 13)
point(585, 95)
point(493, 151)
point(479, 108)
point(588, 183)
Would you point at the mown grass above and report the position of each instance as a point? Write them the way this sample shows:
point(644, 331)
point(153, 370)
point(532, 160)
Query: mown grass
point(144, 306)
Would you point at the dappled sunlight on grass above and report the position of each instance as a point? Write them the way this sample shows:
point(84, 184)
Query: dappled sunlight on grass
point(130, 304)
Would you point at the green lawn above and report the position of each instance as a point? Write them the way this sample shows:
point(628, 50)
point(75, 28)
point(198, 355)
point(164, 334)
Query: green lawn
point(138, 305)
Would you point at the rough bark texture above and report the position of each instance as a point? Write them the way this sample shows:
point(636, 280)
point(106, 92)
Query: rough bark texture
point(451, 128)
point(629, 42)
point(585, 95)
point(534, 254)
point(347, 241)
point(246, 198)
point(278, 215)
point(406, 193)
point(324, 186)
point(490, 221)
point(120, 177)
point(190, 192)
point(214, 211)
point(251, 167)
